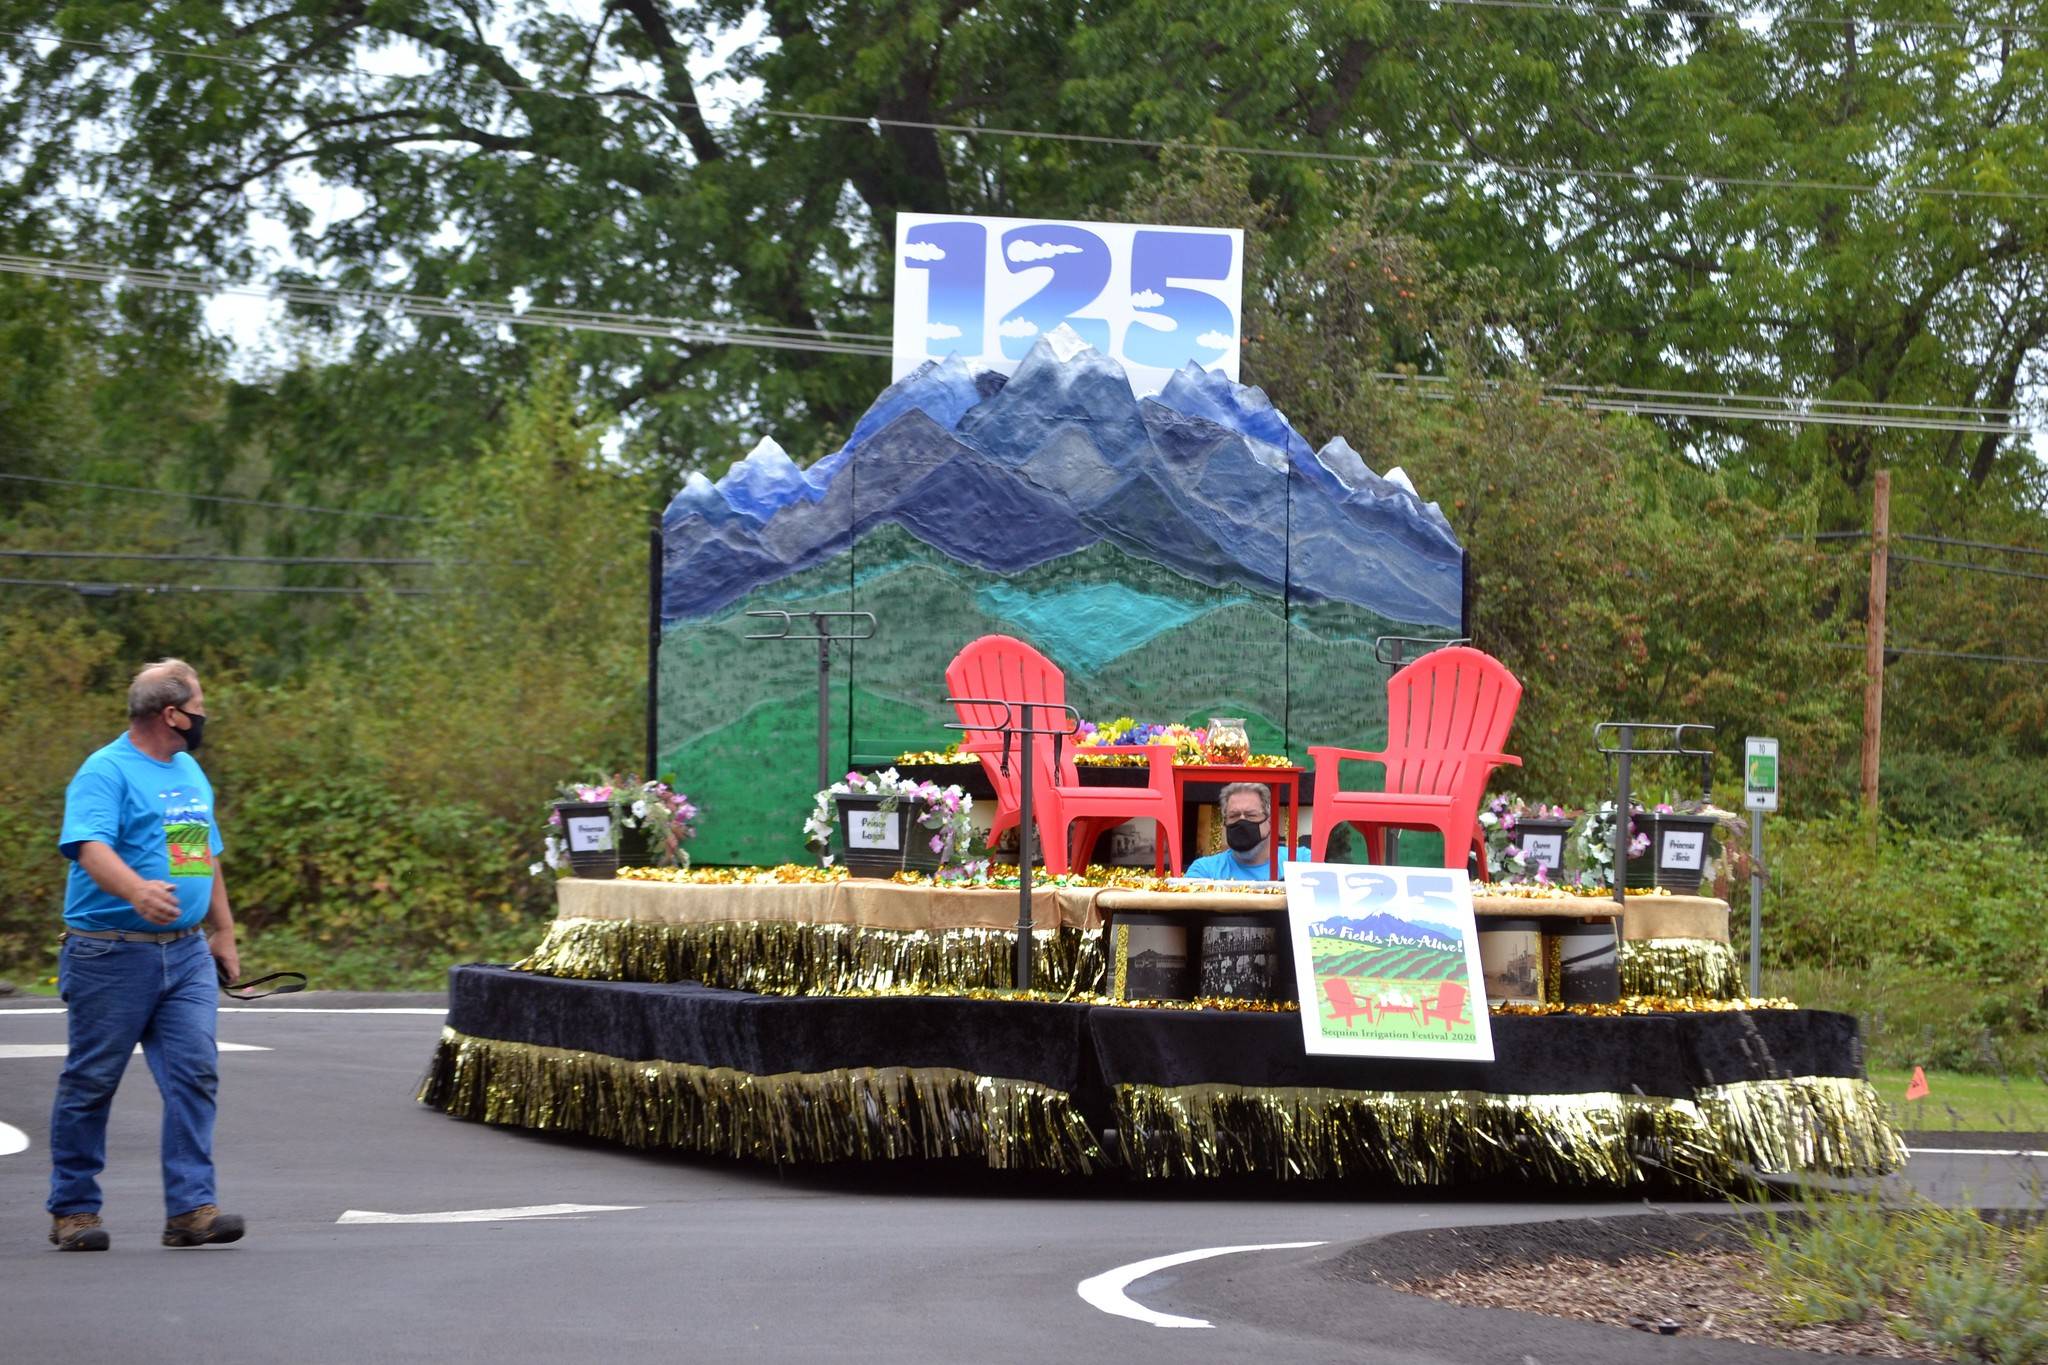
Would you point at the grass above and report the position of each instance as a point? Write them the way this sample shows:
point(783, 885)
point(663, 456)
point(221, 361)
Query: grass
point(1966, 1103)
point(1975, 1290)
point(1922, 1016)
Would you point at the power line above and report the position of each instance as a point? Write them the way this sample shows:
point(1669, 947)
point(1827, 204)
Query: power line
point(1739, 13)
point(469, 312)
point(217, 497)
point(89, 588)
point(1974, 544)
point(1721, 407)
point(1776, 401)
point(1972, 568)
point(1383, 160)
point(1941, 653)
point(1697, 404)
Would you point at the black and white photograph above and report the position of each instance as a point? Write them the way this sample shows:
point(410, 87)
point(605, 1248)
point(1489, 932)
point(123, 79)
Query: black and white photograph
point(1242, 961)
point(1152, 959)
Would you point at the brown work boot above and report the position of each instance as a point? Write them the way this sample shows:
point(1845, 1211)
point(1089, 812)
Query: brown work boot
point(204, 1224)
point(78, 1232)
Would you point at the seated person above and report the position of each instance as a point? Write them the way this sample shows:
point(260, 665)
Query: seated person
point(1247, 827)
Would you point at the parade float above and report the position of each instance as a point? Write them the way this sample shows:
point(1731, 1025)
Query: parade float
point(1181, 555)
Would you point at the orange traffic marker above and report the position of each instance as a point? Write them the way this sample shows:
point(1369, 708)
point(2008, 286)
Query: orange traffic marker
point(1916, 1089)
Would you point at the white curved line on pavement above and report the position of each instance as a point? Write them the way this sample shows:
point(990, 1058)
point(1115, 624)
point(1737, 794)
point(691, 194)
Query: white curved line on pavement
point(12, 1140)
point(1972, 1151)
point(1106, 1291)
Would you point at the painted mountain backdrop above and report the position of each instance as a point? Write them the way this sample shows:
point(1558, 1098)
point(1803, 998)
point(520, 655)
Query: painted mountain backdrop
point(1180, 557)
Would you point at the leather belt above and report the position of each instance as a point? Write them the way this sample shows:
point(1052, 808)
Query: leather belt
point(134, 935)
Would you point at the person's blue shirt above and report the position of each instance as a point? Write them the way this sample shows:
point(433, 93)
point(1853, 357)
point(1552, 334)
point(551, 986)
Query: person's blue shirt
point(1224, 866)
point(157, 817)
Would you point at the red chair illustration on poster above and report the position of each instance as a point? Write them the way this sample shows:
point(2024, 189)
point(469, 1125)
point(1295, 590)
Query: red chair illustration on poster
point(1448, 1006)
point(1344, 1004)
point(1448, 716)
point(1069, 816)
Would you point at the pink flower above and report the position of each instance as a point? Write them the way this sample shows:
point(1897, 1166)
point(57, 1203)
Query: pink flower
point(1543, 874)
point(938, 844)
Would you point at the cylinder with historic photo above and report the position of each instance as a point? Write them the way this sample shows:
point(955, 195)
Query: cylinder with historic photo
point(1244, 957)
point(1584, 962)
point(1511, 958)
point(1152, 961)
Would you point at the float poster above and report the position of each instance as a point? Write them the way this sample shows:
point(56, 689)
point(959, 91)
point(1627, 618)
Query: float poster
point(1151, 298)
point(1388, 962)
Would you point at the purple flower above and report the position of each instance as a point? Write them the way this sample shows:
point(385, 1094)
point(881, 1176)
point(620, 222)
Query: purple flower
point(1639, 845)
point(1513, 850)
point(938, 844)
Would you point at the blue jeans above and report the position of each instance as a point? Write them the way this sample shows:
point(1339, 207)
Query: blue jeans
point(161, 995)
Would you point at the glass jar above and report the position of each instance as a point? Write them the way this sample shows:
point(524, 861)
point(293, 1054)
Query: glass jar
point(1228, 741)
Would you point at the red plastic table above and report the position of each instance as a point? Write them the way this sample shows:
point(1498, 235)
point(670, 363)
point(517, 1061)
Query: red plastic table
point(1283, 783)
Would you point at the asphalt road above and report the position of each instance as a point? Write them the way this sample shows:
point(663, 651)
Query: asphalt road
point(710, 1260)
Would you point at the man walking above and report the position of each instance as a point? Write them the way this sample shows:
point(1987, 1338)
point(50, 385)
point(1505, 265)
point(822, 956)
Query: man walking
point(145, 883)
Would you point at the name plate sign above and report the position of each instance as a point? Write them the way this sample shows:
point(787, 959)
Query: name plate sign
point(589, 833)
point(1683, 849)
point(876, 829)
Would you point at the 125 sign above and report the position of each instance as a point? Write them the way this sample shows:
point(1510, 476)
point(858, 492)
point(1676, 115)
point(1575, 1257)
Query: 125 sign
point(1154, 298)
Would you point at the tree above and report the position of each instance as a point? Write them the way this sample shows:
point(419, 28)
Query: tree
point(1605, 164)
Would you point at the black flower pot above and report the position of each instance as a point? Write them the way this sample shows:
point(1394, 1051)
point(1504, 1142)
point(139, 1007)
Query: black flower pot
point(591, 836)
point(1549, 833)
point(1679, 848)
point(873, 842)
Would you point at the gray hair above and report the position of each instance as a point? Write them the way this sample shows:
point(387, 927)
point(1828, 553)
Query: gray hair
point(167, 682)
point(1258, 789)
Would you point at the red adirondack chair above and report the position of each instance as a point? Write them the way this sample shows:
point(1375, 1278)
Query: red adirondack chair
point(1448, 1006)
point(1344, 1004)
point(1069, 816)
point(1448, 716)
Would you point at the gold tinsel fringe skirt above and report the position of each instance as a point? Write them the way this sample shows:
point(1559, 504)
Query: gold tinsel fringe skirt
point(1809, 1125)
point(776, 957)
point(1681, 969)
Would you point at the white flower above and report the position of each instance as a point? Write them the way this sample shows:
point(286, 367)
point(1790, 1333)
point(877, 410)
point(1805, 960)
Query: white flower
point(534, 871)
point(640, 809)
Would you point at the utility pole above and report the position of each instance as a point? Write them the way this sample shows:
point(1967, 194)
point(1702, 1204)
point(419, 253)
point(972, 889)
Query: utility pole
point(1873, 636)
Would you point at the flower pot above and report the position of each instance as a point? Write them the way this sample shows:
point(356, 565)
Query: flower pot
point(587, 830)
point(1541, 839)
point(873, 842)
point(1678, 852)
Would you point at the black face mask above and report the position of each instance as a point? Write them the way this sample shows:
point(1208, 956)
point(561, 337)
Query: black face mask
point(195, 736)
point(1243, 835)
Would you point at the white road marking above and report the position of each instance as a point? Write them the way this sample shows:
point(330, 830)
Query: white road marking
point(12, 1140)
point(286, 1009)
point(1106, 1291)
point(1972, 1151)
point(59, 1049)
point(484, 1215)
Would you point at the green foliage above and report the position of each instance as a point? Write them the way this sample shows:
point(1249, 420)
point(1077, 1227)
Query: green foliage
point(1935, 942)
point(377, 806)
point(1974, 1288)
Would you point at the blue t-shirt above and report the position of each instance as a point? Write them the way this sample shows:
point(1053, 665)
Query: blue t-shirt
point(158, 819)
point(1224, 867)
